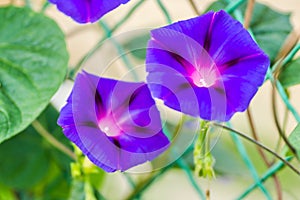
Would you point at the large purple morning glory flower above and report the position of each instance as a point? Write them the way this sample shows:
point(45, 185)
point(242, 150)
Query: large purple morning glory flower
point(207, 67)
point(116, 124)
point(84, 11)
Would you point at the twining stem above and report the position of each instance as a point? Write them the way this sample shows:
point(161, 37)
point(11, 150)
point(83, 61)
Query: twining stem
point(232, 8)
point(248, 13)
point(263, 155)
point(283, 95)
point(261, 145)
point(287, 52)
point(192, 3)
point(52, 140)
point(280, 131)
point(255, 136)
point(272, 170)
point(142, 186)
point(292, 53)
point(284, 124)
point(249, 164)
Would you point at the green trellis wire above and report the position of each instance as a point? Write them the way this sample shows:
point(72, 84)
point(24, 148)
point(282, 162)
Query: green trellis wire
point(91, 52)
point(277, 167)
point(272, 170)
point(232, 7)
point(243, 152)
point(181, 163)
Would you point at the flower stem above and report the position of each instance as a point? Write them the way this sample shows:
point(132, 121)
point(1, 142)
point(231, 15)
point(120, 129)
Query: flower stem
point(52, 140)
point(248, 13)
point(283, 95)
point(203, 160)
point(255, 136)
point(249, 164)
point(291, 55)
point(261, 145)
point(280, 131)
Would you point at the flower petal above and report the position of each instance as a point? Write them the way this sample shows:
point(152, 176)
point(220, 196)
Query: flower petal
point(193, 75)
point(229, 42)
point(94, 100)
point(84, 11)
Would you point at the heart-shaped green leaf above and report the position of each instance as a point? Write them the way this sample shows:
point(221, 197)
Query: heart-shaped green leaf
point(294, 139)
point(33, 64)
point(290, 74)
point(270, 28)
point(31, 165)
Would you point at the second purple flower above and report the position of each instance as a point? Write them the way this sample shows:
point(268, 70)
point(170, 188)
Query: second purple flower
point(207, 67)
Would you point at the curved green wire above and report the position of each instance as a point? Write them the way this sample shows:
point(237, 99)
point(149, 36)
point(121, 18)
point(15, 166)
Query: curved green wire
point(233, 5)
point(91, 52)
point(291, 55)
point(119, 48)
point(182, 164)
point(286, 101)
point(165, 11)
point(247, 161)
point(274, 169)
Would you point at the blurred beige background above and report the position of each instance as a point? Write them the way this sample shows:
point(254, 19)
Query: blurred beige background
point(81, 38)
point(175, 185)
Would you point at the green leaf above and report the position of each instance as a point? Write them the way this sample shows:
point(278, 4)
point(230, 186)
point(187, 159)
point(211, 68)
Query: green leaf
point(31, 165)
point(269, 27)
point(33, 64)
point(289, 76)
point(56, 185)
point(217, 5)
point(6, 193)
point(137, 46)
point(294, 139)
point(24, 161)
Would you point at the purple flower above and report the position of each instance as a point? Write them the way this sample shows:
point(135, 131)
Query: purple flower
point(84, 11)
point(207, 67)
point(116, 124)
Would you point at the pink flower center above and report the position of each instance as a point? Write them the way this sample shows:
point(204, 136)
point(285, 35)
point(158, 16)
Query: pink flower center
point(109, 127)
point(205, 76)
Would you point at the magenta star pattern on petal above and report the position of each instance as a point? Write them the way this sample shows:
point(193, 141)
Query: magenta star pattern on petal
point(116, 124)
point(207, 67)
point(84, 11)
